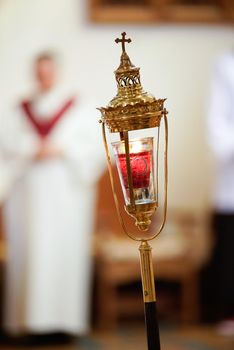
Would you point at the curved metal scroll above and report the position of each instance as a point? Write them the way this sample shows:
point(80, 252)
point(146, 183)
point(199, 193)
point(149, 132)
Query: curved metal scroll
point(120, 217)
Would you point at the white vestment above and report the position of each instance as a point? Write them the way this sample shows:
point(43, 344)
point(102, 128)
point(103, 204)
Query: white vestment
point(49, 215)
point(221, 131)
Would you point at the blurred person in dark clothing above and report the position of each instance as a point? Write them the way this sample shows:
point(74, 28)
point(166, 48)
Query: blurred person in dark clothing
point(221, 139)
point(49, 207)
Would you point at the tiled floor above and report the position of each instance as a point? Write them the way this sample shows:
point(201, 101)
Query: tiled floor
point(133, 338)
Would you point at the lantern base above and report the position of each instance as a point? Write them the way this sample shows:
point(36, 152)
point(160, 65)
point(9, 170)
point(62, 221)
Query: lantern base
point(142, 214)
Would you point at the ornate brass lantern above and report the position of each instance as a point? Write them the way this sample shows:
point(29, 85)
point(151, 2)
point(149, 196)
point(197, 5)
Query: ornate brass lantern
point(130, 110)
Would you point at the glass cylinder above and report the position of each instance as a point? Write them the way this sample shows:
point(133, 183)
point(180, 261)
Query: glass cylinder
point(142, 169)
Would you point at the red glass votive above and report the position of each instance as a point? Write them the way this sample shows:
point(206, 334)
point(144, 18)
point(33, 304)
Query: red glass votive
point(142, 169)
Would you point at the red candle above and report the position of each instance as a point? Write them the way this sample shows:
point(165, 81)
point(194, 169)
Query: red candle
point(140, 167)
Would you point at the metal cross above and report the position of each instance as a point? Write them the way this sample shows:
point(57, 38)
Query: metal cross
point(123, 41)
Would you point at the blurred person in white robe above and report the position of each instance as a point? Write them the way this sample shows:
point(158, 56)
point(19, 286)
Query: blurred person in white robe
point(50, 152)
point(221, 139)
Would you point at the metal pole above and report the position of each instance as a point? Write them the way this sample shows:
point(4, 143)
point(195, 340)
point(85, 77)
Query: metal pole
point(149, 295)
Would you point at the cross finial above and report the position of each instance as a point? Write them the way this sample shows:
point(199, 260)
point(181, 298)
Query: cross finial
point(123, 41)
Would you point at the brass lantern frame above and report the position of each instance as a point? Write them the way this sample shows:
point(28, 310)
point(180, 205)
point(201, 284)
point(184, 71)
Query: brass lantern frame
point(133, 207)
point(134, 109)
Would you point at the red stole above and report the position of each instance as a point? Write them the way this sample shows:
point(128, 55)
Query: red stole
point(44, 127)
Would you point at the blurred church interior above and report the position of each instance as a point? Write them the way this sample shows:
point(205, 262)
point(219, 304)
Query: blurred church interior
point(176, 43)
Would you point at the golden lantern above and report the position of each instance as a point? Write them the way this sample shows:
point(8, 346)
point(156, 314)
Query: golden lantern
point(131, 110)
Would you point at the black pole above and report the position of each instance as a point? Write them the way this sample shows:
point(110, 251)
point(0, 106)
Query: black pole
point(149, 295)
point(152, 329)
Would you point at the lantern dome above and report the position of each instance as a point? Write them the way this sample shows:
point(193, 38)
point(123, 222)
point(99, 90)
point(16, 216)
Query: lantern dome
point(132, 108)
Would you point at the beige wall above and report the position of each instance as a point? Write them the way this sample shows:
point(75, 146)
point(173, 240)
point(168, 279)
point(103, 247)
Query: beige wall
point(176, 63)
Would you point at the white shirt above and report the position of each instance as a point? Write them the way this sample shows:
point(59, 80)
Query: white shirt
point(48, 213)
point(221, 131)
